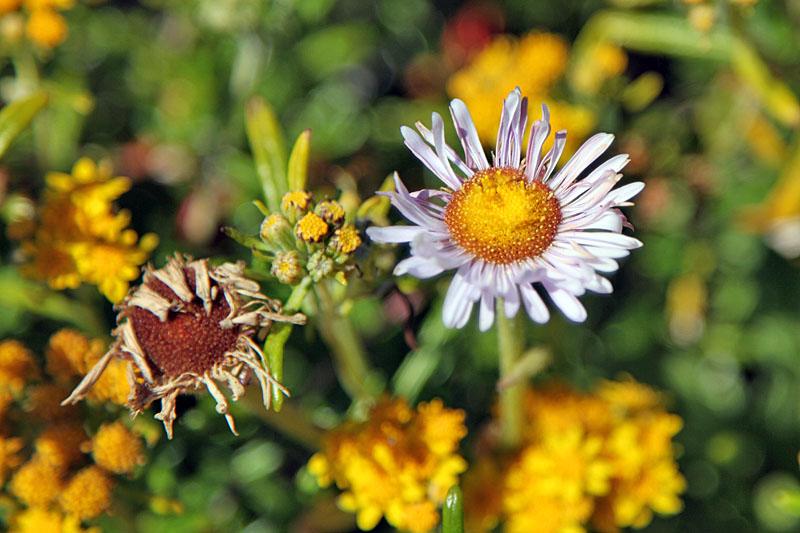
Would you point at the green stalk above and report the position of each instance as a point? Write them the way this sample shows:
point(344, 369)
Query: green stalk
point(510, 345)
point(349, 355)
point(278, 335)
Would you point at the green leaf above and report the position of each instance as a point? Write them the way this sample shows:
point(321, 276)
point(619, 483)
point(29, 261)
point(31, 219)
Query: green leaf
point(17, 115)
point(269, 149)
point(273, 349)
point(453, 512)
point(298, 162)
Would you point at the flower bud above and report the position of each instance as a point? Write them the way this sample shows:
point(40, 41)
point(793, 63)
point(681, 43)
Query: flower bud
point(286, 268)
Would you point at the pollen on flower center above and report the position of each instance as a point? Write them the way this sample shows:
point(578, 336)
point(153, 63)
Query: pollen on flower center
point(500, 217)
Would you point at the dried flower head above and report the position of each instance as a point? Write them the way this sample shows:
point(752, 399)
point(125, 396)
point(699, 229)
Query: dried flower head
point(190, 325)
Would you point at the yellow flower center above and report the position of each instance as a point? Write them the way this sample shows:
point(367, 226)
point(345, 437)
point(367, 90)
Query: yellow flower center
point(346, 239)
point(498, 216)
point(311, 228)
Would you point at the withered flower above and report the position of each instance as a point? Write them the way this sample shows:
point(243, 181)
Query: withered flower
point(191, 325)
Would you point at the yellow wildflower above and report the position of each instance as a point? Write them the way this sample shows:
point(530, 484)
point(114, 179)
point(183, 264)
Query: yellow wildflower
point(60, 444)
point(605, 458)
point(602, 61)
point(81, 238)
point(88, 493)
point(9, 458)
point(39, 520)
point(46, 28)
point(50, 261)
point(113, 265)
point(398, 464)
point(568, 471)
point(117, 449)
point(36, 483)
point(17, 366)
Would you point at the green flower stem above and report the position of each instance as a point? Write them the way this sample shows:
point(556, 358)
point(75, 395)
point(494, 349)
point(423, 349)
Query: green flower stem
point(292, 422)
point(349, 355)
point(278, 335)
point(510, 345)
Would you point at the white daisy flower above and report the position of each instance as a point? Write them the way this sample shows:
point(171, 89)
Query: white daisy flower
point(507, 226)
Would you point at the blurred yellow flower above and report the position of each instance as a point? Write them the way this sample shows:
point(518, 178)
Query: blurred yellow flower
point(17, 366)
point(39, 520)
point(9, 458)
point(37, 483)
point(60, 444)
point(604, 458)
point(88, 493)
point(46, 28)
point(398, 464)
point(117, 449)
point(534, 63)
point(81, 238)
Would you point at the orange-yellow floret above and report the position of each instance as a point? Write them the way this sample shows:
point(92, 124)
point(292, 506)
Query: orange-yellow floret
point(311, 228)
point(70, 354)
point(17, 366)
point(346, 239)
point(60, 444)
point(37, 483)
point(46, 28)
point(117, 449)
point(88, 493)
point(9, 455)
point(295, 200)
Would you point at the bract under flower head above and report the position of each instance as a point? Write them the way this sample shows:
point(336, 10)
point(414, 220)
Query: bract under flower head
point(506, 226)
point(191, 325)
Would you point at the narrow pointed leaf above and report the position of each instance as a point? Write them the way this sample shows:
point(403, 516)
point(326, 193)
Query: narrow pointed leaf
point(269, 150)
point(17, 115)
point(298, 162)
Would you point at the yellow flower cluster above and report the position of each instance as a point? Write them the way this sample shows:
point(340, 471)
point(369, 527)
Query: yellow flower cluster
point(81, 238)
point(398, 464)
point(309, 239)
point(45, 26)
point(534, 63)
point(605, 458)
point(55, 488)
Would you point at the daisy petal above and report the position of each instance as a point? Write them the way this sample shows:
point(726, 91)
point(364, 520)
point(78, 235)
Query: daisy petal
point(468, 135)
point(394, 233)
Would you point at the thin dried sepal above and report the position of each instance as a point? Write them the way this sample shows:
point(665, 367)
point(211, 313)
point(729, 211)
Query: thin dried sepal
point(91, 377)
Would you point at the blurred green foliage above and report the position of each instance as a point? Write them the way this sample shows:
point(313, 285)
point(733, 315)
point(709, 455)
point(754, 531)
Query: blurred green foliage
point(707, 310)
